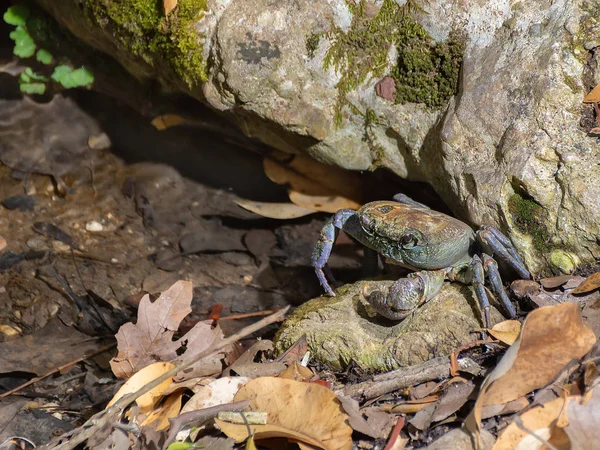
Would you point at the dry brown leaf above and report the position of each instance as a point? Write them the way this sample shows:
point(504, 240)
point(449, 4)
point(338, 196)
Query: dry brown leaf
point(302, 412)
point(169, 6)
point(501, 410)
point(593, 96)
point(313, 184)
point(323, 203)
point(506, 331)
point(168, 409)
point(583, 429)
point(540, 420)
point(149, 373)
point(151, 338)
point(554, 282)
point(589, 284)
point(275, 210)
point(297, 372)
point(550, 338)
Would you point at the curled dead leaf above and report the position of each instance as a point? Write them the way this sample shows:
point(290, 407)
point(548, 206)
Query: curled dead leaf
point(506, 331)
point(589, 284)
point(301, 412)
point(275, 210)
point(149, 373)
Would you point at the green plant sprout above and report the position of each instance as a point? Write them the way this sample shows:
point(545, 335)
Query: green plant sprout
point(25, 47)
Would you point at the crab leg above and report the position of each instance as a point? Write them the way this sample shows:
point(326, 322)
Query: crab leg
point(401, 198)
point(324, 245)
point(497, 242)
point(478, 281)
point(491, 267)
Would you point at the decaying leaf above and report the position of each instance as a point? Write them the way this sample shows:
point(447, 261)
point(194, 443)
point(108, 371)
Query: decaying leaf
point(218, 392)
point(554, 282)
point(301, 412)
point(169, 408)
point(583, 429)
point(169, 6)
point(147, 401)
point(275, 210)
point(550, 338)
point(165, 121)
point(312, 184)
point(506, 331)
point(589, 284)
point(151, 338)
point(540, 420)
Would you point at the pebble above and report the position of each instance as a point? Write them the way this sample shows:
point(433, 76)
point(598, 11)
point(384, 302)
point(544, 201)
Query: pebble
point(94, 226)
point(60, 246)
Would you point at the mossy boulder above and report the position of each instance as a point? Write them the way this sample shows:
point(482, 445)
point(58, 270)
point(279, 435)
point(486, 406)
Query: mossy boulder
point(344, 328)
point(483, 99)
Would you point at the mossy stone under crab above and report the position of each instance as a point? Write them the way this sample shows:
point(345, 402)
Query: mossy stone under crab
point(437, 246)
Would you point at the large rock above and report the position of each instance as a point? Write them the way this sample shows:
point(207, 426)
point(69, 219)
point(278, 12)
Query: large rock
point(511, 148)
point(345, 328)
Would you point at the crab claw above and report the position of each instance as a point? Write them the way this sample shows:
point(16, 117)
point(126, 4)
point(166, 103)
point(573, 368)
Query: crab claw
point(400, 299)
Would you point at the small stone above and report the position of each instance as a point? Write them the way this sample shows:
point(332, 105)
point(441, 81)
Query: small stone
point(9, 330)
point(94, 226)
point(247, 279)
point(99, 141)
point(60, 246)
point(590, 45)
point(386, 88)
point(36, 244)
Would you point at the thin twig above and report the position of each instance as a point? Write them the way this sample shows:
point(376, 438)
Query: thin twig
point(58, 369)
point(109, 415)
point(246, 315)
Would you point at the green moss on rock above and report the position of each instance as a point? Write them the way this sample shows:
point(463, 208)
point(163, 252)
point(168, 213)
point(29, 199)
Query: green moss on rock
point(528, 217)
point(427, 71)
point(142, 28)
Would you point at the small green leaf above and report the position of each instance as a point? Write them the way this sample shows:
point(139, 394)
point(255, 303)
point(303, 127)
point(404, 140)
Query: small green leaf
point(24, 77)
point(44, 56)
point(24, 44)
point(70, 78)
point(180, 446)
point(16, 15)
point(32, 88)
point(32, 75)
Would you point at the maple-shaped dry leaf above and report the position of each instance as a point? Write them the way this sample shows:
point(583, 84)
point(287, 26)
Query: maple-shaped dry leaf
point(306, 413)
point(550, 338)
point(150, 339)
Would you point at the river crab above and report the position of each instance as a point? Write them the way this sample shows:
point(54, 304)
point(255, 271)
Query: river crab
point(438, 247)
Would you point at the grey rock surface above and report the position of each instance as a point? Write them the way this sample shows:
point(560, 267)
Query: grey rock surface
point(510, 149)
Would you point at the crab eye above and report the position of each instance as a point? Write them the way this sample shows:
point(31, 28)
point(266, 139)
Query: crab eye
point(408, 240)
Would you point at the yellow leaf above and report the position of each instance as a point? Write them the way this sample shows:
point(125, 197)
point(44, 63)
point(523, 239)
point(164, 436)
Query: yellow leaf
point(147, 401)
point(275, 210)
point(323, 203)
point(169, 6)
point(165, 121)
point(506, 331)
point(589, 284)
point(306, 413)
point(159, 417)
